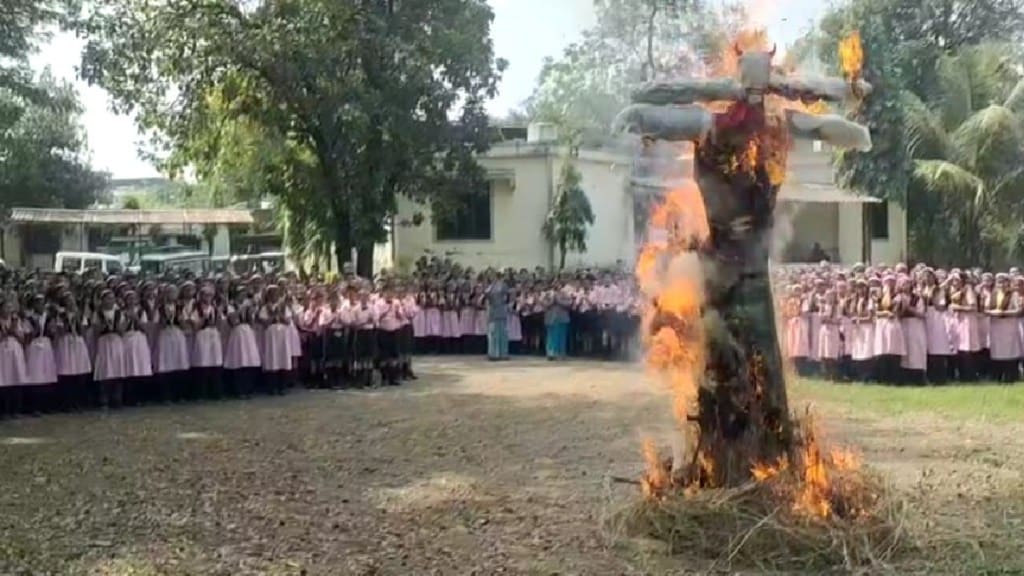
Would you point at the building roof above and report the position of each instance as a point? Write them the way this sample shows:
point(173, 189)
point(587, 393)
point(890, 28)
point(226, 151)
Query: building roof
point(162, 217)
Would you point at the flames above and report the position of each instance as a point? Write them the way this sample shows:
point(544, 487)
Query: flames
point(851, 56)
point(669, 277)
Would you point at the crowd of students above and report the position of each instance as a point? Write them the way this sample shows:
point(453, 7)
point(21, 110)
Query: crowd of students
point(69, 342)
point(902, 325)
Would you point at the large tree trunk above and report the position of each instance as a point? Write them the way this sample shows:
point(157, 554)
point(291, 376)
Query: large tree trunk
point(364, 261)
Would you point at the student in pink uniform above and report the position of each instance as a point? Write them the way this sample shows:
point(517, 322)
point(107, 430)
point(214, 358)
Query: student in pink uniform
point(242, 361)
point(276, 354)
point(390, 317)
point(862, 332)
point(363, 318)
point(12, 357)
point(108, 368)
point(138, 362)
point(40, 362)
point(964, 304)
point(336, 325)
point(207, 348)
point(939, 347)
point(914, 361)
point(410, 312)
point(1003, 310)
point(798, 339)
point(889, 345)
point(829, 335)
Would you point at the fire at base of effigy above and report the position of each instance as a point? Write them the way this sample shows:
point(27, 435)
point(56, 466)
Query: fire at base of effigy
point(755, 481)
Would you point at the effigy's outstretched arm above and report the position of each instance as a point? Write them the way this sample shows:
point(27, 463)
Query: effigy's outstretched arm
point(831, 128)
point(670, 123)
point(689, 91)
point(814, 88)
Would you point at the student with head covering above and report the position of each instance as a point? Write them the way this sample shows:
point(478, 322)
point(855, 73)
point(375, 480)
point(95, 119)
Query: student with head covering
point(965, 306)
point(276, 353)
point(242, 362)
point(74, 364)
point(138, 362)
point(940, 343)
point(1003, 309)
point(889, 345)
point(173, 359)
point(207, 348)
point(108, 368)
point(40, 361)
point(829, 335)
point(914, 361)
point(12, 356)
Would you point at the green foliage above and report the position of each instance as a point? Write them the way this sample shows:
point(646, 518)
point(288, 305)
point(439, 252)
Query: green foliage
point(42, 153)
point(632, 42)
point(42, 147)
point(967, 142)
point(566, 223)
point(335, 107)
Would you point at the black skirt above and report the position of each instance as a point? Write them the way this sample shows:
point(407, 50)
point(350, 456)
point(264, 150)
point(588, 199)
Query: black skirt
point(387, 344)
point(365, 345)
point(337, 346)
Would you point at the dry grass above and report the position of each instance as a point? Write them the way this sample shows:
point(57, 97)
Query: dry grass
point(756, 527)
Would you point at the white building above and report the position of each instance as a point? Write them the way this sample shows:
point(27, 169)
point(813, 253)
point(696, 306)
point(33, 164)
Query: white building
point(502, 227)
point(32, 236)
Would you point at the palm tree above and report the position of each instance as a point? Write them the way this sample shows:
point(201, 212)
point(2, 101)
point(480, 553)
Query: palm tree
point(966, 195)
point(568, 218)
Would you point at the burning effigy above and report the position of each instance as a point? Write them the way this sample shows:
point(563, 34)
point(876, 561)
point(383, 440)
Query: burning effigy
point(710, 323)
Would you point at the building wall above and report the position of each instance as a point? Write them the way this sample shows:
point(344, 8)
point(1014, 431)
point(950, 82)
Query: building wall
point(803, 223)
point(518, 209)
point(894, 249)
point(851, 232)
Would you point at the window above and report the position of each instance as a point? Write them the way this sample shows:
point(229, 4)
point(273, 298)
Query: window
point(878, 220)
point(70, 265)
point(469, 220)
point(93, 264)
point(113, 267)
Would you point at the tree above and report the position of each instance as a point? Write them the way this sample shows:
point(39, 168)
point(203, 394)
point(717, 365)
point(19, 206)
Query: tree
point(904, 42)
point(365, 90)
point(632, 42)
point(566, 223)
point(43, 153)
point(967, 140)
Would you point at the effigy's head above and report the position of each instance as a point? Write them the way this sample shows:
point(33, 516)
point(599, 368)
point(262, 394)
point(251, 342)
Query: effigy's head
point(755, 69)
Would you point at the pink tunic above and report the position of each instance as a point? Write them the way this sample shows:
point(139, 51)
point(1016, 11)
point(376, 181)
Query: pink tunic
point(172, 350)
point(480, 322)
point(515, 328)
point(242, 350)
point(419, 323)
point(109, 364)
point(798, 337)
point(828, 341)
point(12, 362)
point(1004, 335)
point(862, 340)
point(433, 322)
point(968, 333)
point(40, 362)
point(888, 335)
point(206, 348)
point(467, 318)
point(138, 362)
point(915, 337)
point(72, 356)
point(450, 327)
point(937, 327)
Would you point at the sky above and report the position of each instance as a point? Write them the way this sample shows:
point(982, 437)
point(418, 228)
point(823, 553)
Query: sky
point(524, 33)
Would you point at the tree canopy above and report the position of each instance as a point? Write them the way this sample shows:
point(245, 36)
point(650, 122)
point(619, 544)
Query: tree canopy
point(352, 103)
point(43, 150)
point(945, 120)
point(632, 41)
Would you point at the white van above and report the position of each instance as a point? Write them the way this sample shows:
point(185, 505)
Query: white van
point(78, 262)
point(196, 262)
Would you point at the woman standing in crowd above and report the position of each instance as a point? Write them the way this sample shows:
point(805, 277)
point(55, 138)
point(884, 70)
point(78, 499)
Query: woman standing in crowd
point(40, 361)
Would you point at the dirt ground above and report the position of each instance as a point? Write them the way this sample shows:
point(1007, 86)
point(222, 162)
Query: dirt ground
point(474, 469)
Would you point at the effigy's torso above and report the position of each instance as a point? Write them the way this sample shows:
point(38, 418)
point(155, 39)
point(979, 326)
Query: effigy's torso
point(736, 168)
